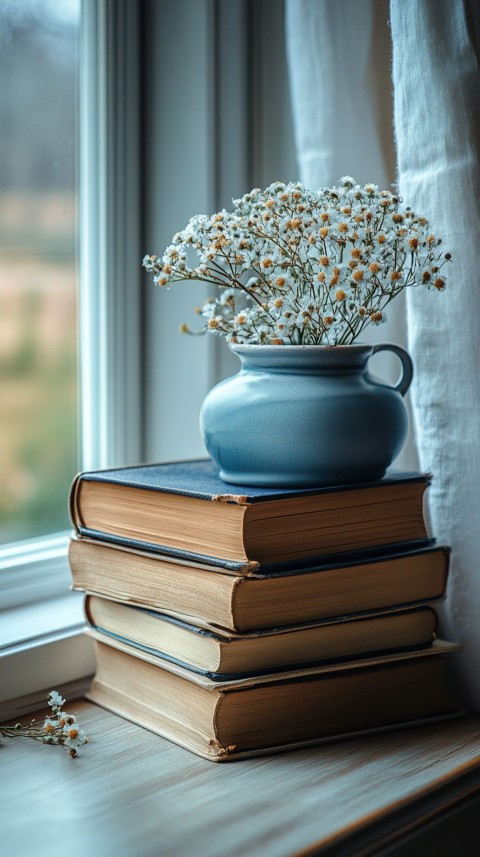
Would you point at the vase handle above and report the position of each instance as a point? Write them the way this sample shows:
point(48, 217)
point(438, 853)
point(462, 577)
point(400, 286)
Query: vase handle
point(405, 380)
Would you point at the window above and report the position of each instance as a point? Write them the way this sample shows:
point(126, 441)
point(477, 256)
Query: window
point(39, 437)
point(38, 205)
point(98, 42)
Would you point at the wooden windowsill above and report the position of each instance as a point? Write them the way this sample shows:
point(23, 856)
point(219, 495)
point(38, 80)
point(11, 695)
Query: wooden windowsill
point(133, 794)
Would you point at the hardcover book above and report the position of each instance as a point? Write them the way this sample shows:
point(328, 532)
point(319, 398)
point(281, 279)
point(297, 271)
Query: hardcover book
point(185, 510)
point(247, 602)
point(223, 721)
point(223, 656)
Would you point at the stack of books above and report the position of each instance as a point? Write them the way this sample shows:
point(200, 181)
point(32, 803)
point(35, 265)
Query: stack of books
point(242, 621)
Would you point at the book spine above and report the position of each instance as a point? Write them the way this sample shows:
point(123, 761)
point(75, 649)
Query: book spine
point(73, 509)
point(87, 611)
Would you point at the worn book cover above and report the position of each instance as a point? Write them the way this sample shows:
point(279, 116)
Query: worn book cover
point(223, 655)
point(224, 721)
point(248, 601)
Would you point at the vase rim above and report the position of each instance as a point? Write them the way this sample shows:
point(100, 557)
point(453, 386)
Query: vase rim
point(358, 346)
point(303, 358)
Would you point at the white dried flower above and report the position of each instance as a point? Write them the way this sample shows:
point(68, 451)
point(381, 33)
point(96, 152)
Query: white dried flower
point(60, 728)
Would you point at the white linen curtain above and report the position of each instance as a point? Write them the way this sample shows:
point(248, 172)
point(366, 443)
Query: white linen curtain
point(336, 93)
point(437, 126)
point(330, 45)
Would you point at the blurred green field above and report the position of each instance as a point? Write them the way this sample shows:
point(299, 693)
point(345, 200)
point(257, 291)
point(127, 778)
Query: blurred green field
point(38, 341)
point(38, 364)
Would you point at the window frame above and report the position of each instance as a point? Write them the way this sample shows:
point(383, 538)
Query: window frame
point(33, 570)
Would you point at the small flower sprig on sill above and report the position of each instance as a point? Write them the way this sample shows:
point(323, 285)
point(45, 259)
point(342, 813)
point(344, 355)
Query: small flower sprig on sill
point(59, 728)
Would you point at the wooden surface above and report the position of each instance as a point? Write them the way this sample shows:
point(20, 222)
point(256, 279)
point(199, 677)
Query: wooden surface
point(133, 794)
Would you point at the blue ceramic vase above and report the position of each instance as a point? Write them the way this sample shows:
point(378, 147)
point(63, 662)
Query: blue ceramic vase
point(306, 415)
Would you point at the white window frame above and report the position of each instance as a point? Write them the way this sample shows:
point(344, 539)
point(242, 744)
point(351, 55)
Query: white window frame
point(33, 570)
point(110, 296)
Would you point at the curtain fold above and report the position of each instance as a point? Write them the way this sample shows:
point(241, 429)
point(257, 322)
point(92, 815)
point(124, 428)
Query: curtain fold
point(437, 128)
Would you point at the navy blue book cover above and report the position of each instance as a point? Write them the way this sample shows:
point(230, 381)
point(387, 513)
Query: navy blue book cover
point(199, 479)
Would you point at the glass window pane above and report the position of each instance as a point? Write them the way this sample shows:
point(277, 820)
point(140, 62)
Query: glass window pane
point(38, 384)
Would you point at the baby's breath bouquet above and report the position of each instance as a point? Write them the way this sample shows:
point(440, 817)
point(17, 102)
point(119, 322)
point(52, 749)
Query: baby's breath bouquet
point(293, 266)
